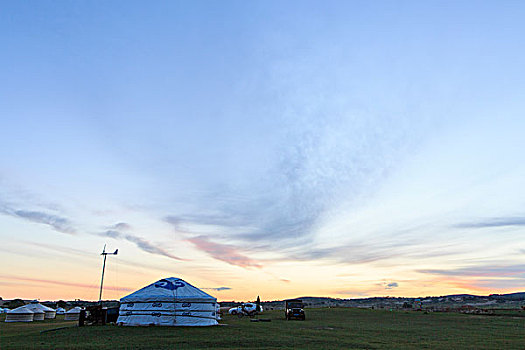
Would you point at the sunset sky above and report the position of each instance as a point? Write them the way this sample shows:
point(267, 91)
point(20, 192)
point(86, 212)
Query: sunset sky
point(273, 148)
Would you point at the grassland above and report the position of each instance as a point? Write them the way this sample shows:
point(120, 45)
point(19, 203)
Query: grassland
point(324, 329)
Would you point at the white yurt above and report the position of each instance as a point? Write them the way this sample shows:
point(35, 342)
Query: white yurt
point(1, 310)
point(20, 314)
point(168, 302)
point(60, 311)
point(38, 313)
point(49, 313)
point(73, 314)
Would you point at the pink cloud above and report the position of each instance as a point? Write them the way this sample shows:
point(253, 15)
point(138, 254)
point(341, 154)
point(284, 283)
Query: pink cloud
point(223, 252)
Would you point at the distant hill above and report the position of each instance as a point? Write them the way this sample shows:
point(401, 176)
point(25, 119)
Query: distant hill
point(512, 300)
point(511, 296)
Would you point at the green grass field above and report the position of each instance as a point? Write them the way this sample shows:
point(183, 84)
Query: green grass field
point(324, 329)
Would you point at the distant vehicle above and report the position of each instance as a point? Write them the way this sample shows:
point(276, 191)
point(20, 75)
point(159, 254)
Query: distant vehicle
point(247, 309)
point(294, 308)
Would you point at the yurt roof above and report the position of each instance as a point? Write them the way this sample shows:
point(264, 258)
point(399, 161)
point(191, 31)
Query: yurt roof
point(21, 310)
point(47, 308)
point(168, 289)
point(75, 310)
point(36, 308)
point(41, 306)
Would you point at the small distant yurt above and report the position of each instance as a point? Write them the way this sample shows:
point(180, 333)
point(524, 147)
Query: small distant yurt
point(168, 302)
point(60, 311)
point(49, 313)
point(20, 314)
point(1, 310)
point(73, 314)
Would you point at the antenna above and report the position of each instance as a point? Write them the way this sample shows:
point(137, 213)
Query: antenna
point(103, 269)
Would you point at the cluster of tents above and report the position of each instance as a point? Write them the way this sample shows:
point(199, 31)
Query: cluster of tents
point(167, 302)
point(38, 312)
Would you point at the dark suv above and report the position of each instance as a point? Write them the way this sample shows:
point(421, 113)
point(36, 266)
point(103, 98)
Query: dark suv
point(293, 308)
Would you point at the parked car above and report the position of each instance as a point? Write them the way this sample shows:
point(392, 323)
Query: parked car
point(247, 309)
point(294, 309)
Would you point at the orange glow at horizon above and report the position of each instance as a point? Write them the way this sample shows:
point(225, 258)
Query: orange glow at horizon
point(42, 289)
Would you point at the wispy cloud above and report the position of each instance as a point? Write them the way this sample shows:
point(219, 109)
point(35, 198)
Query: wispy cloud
point(218, 289)
point(224, 252)
point(186, 222)
point(58, 223)
point(387, 285)
point(372, 250)
point(150, 247)
point(121, 226)
point(62, 283)
point(392, 285)
point(494, 222)
point(116, 232)
point(352, 254)
point(500, 283)
point(401, 243)
point(294, 245)
point(481, 271)
point(111, 234)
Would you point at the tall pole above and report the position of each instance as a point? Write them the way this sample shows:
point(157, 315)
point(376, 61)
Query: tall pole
point(102, 279)
point(104, 269)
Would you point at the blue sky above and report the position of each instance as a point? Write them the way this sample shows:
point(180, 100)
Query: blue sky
point(356, 144)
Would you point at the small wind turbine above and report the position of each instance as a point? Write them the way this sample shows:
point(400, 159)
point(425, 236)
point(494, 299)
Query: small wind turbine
point(103, 269)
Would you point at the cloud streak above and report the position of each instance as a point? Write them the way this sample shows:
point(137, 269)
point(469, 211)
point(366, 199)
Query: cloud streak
point(62, 283)
point(150, 247)
point(141, 243)
point(517, 270)
point(121, 226)
point(494, 222)
point(398, 243)
point(359, 252)
point(392, 285)
point(218, 289)
point(57, 223)
point(223, 252)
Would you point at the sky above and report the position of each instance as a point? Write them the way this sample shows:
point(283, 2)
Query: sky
point(281, 149)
